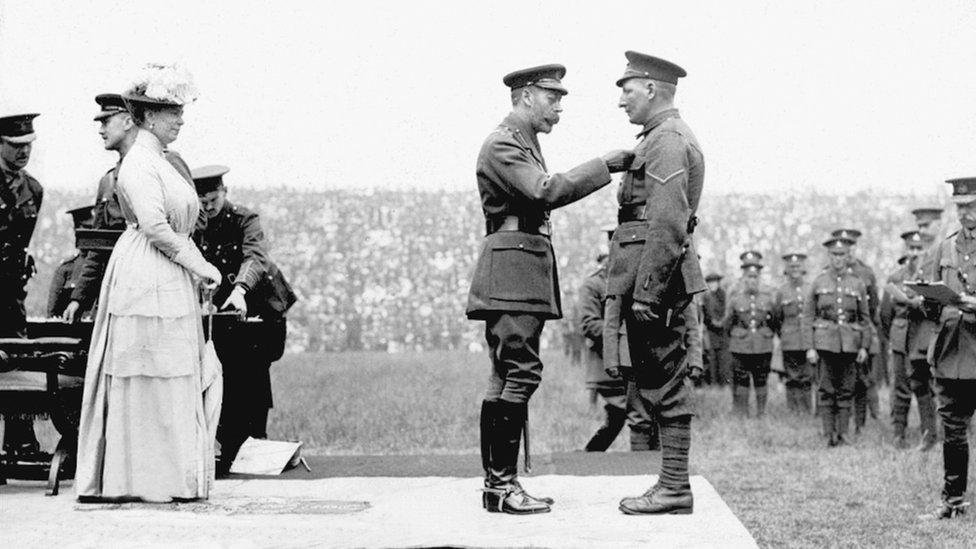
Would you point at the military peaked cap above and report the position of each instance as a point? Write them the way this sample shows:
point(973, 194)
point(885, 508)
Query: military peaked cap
point(795, 257)
point(751, 268)
point(83, 216)
point(641, 65)
point(544, 76)
point(963, 189)
point(839, 243)
point(750, 256)
point(927, 215)
point(850, 234)
point(713, 277)
point(208, 178)
point(109, 104)
point(18, 128)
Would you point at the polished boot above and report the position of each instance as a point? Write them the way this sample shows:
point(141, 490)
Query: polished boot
point(761, 396)
point(955, 461)
point(605, 435)
point(502, 492)
point(658, 500)
point(672, 493)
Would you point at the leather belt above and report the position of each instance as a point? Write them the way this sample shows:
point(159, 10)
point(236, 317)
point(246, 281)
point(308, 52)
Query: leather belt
point(533, 225)
point(632, 212)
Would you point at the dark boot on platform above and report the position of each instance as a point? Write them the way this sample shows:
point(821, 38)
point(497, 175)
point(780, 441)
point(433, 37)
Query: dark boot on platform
point(672, 493)
point(607, 432)
point(503, 493)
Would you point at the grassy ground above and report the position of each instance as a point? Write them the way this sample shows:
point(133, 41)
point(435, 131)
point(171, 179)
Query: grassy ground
point(775, 473)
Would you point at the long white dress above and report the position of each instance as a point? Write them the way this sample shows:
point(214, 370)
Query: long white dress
point(144, 432)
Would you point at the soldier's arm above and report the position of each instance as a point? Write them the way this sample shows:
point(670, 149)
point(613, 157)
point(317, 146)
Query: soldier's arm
point(254, 265)
point(693, 336)
point(808, 315)
point(505, 160)
point(668, 211)
point(728, 316)
point(90, 273)
point(776, 312)
point(864, 316)
point(57, 285)
point(591, 310)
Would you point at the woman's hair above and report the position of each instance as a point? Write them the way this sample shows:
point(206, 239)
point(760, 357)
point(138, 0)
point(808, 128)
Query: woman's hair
point(138, 110)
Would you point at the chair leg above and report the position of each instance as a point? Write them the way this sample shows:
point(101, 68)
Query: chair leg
point(54, 474)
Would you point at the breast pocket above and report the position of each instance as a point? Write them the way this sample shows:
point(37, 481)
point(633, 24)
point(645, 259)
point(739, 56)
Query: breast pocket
point(634, 180)
point(521, 270)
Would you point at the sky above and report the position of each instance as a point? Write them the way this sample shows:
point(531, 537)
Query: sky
point(835, 96)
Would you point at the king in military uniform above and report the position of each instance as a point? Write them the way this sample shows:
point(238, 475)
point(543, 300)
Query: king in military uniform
point(20, 201)
point(953, 353)
point(751, 319)
point(65, 276)
point(836, 333)
point(790, 298)
point(514, 288)
point(654, 273)
point(231, 238)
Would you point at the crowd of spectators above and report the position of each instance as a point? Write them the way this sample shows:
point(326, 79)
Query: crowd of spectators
point(389, 269)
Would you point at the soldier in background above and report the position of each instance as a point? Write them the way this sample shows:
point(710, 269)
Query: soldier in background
point(65, 276)
point(789, 300)
point(20, 201)
point(718, 361)
point(905, 312)
point(231, 238)
point(836, 334)
point(953, 353)
point(514, 288)
point(869, 372)
point(654, 271)
point(750, 320)
point(118, 132)
point(928, 219)
point(619, 403)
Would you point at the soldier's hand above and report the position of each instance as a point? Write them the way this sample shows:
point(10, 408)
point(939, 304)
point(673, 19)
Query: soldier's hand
point(643, 312)
point(236, 300)
point(613, 372)
point(862, 356)
point(812, 356)
point(967, 303)
point(618, 161)
point(70, 311)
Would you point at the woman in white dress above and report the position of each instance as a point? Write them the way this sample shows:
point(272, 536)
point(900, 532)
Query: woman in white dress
point(144, 433)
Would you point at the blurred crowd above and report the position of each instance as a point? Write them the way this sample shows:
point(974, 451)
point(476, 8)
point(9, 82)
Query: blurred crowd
point(389, 269)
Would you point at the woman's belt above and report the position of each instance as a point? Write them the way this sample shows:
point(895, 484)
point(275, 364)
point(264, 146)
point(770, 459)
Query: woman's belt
point(534, 224)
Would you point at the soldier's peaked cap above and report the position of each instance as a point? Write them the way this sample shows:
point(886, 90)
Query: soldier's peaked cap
point(713, 277)
point(641, 65)
point(750, 256)
point(963, 189)
point(795, 257)
point(109, 104)
point(83, 216)
point(839, 243)
point(751, 267)
point(544, 76)
point(927, 213)
point(18, 128)
point(912, 236)
point(850, 234)
point(208, 178)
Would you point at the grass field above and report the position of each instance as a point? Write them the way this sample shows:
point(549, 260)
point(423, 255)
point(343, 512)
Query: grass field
point(775, 473)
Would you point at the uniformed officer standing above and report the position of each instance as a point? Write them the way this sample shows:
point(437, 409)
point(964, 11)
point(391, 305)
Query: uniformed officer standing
point(907, 314)
point(619, 403)
point(929, 220)
point(654, 271)
point(751, 319)
point(837, 336)
point(118, 132)
point(718, 364)
point(789, 301)
point(20, 201)
point(66, 275)
point(870, 372)
point(232, 239)
point(514, 288)
point(953, 352)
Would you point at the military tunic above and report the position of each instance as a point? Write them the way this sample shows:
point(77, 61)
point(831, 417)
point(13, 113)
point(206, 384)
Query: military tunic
point(20, 201)
point(837, 327)
point(751, 319)
point(234, 242)
point(653, 261)
point(515, 287)
point(62, 284)
point(875, 368)
point(953, 353)
point(790, 299)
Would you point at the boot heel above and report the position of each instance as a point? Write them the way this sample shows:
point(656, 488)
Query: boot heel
point(492, 500)
point(686, 511)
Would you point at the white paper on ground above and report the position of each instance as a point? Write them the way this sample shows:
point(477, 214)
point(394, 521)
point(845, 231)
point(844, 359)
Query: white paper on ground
point(265, 457)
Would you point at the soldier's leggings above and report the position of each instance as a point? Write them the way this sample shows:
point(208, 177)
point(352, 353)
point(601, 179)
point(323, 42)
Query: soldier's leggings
point(957, 402)
point(901, 393)
point(799, 379)
point(513, 345)
point(836, 381)
point(920, 382)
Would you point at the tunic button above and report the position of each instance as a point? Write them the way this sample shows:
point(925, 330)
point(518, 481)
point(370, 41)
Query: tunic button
point(521, 246)
point(966, 257)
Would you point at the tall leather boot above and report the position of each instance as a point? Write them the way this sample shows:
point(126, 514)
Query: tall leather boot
point(503, 493)
point(672, 492)
point(843, 418)
point(607, 433)
point(829, 425)
point(761, 396)
point(860, 409)
point(486, 425)
point(926, 416)
point(955, 459)
point(740, 400)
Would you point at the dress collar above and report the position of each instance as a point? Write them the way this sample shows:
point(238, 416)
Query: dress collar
point(148, 140)
point(521, 126)
point(657, 119)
